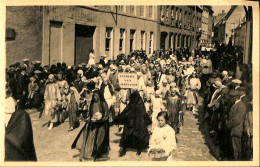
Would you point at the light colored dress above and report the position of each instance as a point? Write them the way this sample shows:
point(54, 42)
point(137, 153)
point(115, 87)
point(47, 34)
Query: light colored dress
point(51, 96)
point(163, 138)
point(157, 104)
point(91, 60)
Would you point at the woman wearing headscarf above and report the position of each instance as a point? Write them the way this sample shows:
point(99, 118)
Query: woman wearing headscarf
point(19, 145)
point(52, 96)
point(135, 121)
point(93, 139)
point(72, 107)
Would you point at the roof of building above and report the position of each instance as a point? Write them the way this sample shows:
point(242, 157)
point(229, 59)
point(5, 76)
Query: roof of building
point(218, 18)
point(226, 16)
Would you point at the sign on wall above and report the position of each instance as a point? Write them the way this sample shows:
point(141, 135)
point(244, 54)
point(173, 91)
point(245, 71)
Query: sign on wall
point(127, 80)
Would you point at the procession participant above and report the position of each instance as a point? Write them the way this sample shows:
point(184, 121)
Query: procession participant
point(141, 84)
point(72, 108)
point(52, 96)
point(163, 136)
point(21, 87)
point(109, 96)
point(113, 77)
point(78, 83)
point(123, 101)
point(193, 87)
point(145, 74)
point(93, 139)
point(33, 100)
point(173, 105)
point(235, 122)
point(135, 121)
point(160, 76)
point(19, 145)
point(91, 60)
point(163, 89)
point(157, 106)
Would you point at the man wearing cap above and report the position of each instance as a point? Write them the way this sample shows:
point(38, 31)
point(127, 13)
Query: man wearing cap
point(236, 83)
point(235, 122)
point(21, 87)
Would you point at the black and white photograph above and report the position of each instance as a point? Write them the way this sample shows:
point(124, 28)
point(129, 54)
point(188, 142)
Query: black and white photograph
point(106, 83)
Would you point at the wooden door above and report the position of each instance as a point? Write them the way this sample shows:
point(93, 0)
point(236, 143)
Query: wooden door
point(83, 43)
point(55, 43)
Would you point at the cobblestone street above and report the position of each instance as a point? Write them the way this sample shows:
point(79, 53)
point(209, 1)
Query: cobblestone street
point(55, 145)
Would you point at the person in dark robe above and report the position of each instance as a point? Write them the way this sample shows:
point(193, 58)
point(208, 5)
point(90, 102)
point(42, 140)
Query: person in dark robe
point(135, 121)
point(173, 108)
point(93, 139)
point(19, 145)
point(72, 108)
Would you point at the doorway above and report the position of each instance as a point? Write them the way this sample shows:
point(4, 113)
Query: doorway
point(55, 51)
point(83, 43)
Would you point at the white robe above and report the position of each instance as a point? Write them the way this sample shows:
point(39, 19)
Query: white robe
point(163, 138)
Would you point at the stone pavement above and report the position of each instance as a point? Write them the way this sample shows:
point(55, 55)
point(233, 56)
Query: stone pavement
point(55, 145)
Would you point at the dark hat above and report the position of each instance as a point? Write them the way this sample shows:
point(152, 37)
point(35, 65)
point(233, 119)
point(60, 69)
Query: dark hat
point(234, 93)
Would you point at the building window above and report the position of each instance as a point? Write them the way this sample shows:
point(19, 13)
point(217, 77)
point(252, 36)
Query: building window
point(151, 43)
point(180, 16)
point(167, 13)
point(142, 40)
point(108, 38)
point(122, 40)
point(141, 10)
point(132, 9)
point(121, 8)
point(132, 40)
point(107, 7)
point(176, 14)
point(150, 11)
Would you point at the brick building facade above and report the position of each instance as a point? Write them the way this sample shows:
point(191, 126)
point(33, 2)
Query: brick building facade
point(54, 34)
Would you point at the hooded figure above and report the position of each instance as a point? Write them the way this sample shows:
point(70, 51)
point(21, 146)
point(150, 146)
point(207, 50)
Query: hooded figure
point(135, 121)
point(19, 144)
point(93, 139)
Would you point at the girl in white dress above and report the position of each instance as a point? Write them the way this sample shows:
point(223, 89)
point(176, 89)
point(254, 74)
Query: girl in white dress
point(91, 57)
point(163, 137)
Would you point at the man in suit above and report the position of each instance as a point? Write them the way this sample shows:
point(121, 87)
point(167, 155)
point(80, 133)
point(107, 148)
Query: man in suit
point(21, 87)
point(235, 122)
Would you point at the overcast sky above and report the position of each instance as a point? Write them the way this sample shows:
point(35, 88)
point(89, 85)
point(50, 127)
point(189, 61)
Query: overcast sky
point(218, 9)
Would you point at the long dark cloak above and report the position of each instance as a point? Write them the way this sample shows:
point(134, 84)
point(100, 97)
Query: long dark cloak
point(173, 108)
point(135, 121)
point(93, 138)
point(19, 145)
